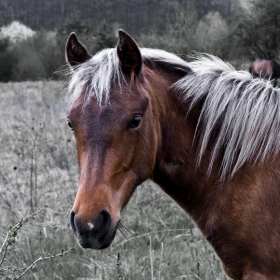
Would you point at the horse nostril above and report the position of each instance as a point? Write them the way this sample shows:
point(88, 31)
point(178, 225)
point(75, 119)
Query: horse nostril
point(72, 222)
point(76, 224)
point(105, 223)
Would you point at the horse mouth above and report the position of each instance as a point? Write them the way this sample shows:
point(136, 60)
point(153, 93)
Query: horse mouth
point(87, 240)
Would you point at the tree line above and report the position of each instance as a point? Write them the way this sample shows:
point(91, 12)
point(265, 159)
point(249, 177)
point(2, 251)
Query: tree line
point(135, 16)
point(222, 28)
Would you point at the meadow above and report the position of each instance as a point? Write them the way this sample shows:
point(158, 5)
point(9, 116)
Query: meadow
point(38, 181)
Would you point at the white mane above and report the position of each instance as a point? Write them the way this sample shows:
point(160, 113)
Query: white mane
point(243, 113)
point(95, 76)
point(99, 73)
point(240, 116)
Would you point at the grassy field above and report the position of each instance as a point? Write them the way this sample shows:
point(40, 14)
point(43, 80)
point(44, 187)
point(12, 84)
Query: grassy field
point(38, 171)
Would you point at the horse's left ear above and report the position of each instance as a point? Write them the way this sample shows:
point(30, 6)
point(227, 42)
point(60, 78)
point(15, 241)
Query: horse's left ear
point(129, 54)
point(76, 53)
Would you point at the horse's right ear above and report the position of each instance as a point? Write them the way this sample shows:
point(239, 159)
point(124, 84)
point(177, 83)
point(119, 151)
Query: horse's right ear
point(76, 53)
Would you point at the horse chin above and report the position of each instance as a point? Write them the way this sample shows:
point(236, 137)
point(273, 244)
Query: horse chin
point(86, 241)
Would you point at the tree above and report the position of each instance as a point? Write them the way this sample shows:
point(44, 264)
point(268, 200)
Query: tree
point(258, 31)
point(179, 36)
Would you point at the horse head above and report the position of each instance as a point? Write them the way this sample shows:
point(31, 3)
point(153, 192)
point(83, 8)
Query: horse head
point(115, 135)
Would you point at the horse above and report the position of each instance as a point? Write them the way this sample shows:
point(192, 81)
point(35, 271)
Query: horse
point(206, 134)
point(267, 69)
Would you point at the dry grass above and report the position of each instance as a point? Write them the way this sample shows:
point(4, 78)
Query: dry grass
point(38, 167)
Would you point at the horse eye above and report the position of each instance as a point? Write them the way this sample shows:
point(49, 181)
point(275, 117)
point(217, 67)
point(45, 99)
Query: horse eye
point(136, 120)
point(69, 124)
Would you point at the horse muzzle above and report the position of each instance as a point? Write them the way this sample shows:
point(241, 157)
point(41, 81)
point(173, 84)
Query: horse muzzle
point(98, 234)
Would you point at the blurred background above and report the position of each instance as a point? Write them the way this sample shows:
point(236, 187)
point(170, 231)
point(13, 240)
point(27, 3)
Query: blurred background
point(38, 167)
point(33, 32)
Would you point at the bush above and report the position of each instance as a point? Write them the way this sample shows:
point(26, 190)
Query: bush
point(38, 57)
point(257, 32)
point(7, 61)
point(41, 57)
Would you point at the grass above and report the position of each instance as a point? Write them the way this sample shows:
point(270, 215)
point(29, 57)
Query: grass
point(38, 167)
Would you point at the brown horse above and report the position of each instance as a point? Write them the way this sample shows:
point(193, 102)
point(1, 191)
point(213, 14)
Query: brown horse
point(267, 69)
point(208, 135)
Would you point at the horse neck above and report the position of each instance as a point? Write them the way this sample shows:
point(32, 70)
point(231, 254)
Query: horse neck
point(176, 169)
point(203, 196)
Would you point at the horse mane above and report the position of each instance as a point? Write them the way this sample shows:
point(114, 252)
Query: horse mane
point(98, 74)
point(240, 116)
point(95, 76)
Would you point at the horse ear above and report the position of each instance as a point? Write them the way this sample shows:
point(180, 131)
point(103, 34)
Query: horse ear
point(76, 53)
point(129, 54)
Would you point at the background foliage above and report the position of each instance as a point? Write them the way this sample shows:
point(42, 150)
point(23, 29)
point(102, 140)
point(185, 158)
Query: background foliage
point(135, 16)
point(230, 29)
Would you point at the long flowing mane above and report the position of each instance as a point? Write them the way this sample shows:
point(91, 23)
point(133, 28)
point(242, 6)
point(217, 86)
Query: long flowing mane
point(243, 113)
point(240, 116)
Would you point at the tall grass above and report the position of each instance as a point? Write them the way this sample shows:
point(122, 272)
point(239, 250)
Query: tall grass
point(38, 167)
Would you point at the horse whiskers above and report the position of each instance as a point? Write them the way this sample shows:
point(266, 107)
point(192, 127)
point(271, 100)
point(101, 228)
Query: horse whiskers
point(122, 229)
